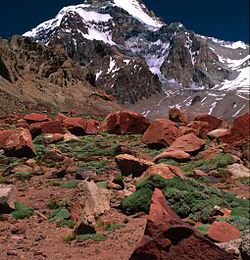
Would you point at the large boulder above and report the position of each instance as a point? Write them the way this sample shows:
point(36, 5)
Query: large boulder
point(222, 232)
point(213, 122)
point(129, 164)
point(167, 237)
point(238, 171)
point(217, 133)
point(125, 122)
point(92, 127)
point(89, 203)
point(17, 143)
point(51, 127)
point(162, 132)
point(189, 143)
point(163, 170)
point(176, 115)
point(200, 128)
point(177, 155)
point(7, 198)
point(77, 126)
point(34, 118)
point(239, 132)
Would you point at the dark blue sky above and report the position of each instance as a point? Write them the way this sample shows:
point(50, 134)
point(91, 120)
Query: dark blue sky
point(224, 19)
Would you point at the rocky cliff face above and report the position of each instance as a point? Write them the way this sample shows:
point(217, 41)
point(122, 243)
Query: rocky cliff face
point(134, 55)
point(33, 76)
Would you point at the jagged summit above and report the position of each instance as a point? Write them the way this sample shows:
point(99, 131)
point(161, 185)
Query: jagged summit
point(134, 55)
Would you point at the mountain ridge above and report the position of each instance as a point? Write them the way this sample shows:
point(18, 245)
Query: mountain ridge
point(115, 44)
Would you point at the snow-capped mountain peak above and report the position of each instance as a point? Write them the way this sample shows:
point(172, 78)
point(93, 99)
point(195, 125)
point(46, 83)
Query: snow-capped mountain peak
point(134, 55)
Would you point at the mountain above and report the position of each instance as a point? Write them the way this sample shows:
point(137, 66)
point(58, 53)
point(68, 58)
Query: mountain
point(150, 65)
point(34, 77)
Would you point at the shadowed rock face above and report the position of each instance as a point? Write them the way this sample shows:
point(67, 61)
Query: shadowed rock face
point(36, 77)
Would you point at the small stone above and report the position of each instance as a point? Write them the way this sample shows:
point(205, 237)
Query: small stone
point(222, 232)
point(7, 198)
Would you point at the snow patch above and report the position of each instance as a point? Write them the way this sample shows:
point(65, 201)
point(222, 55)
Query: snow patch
point(112, 66)
point(134, 8)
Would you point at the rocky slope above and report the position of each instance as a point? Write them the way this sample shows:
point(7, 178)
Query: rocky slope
point(37, 77)
point(135, 56)
point(125, 187)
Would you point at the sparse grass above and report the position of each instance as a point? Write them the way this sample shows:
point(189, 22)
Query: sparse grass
point(67, 238)
point(102, 184)
point(245, 181)
point(23, 175)
point(67, 223)
point(98, 166)
point(219, 161)
point(22, 211)
point(93, 237)
point(70, 184)
point(203, 229)
point(3, 180)
point(108, 226)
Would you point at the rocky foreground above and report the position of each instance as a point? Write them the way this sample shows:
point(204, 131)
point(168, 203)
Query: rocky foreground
point(124, 187)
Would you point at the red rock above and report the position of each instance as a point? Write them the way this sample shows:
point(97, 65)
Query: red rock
point(163, 170)
point(129, 164)
point(51, 127)
point(200, 128)
point(177, 155)
point(125, 122)
point(189, 143)
point(176, 115)
point(61, 117)
point(213, 122)
point(217, 133)
point(34, 117)
point(188, 130)
point(17, 143)
point(210, 153)
point(222, 232)
point(161, 132)
point(239, 132)
point(168, 237)
point(76, 126)
point(53, 138)
point(92, 126)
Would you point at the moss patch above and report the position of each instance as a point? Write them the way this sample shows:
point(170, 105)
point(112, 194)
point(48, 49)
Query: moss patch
point(188, 198)
point(22, 211)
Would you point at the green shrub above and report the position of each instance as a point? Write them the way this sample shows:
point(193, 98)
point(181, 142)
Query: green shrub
point(241, 223)
point(22, 211)
point(188, 198)
point(59, 214)
point(138, 201)
point(67, 223)
point(53, 204)
point(39, 140)
point(221, 160)
point(94, 237)
point(70, 184)
point(241, 212)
